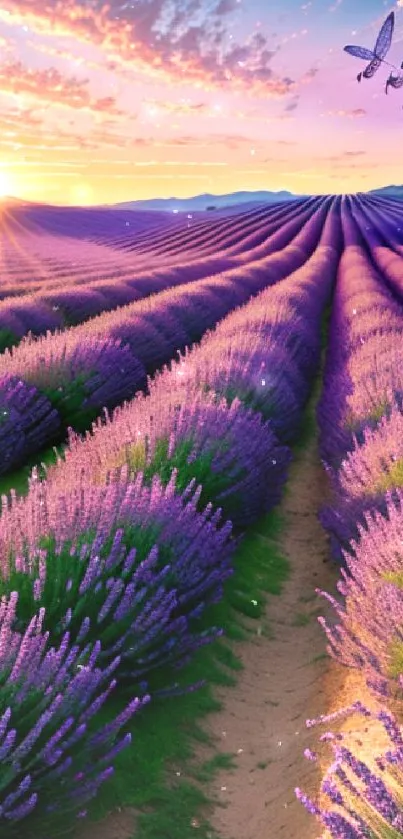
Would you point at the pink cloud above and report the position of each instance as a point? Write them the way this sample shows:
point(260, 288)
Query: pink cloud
point(353, 113)
point(171, 39)
point(51, 86)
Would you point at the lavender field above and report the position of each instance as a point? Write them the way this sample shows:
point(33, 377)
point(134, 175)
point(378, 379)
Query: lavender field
point(165, 368)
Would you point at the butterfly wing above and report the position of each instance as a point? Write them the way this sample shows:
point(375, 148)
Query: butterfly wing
point(384, 38)
point(371, 68)
point(359, 52)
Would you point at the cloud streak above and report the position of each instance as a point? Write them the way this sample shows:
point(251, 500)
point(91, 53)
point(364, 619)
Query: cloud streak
point(52, 87)
point(353, 113)
point(169, 39)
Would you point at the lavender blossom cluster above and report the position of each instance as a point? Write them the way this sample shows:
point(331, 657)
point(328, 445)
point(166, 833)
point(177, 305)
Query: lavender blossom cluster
point(367, 802)
point(27, 421)
point(54, 756)
point(129, 565)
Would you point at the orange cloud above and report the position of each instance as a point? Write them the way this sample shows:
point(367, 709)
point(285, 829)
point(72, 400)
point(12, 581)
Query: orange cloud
point(51, 86)
point(180, 107)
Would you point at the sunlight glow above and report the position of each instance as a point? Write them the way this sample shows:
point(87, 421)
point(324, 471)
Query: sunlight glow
point(7, 183)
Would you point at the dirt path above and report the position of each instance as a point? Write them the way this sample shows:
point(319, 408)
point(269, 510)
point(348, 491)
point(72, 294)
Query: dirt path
point(285, 680)
point(287, 677)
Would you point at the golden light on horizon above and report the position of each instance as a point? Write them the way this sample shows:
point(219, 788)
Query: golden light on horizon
point(81, 194)
point(7, 183)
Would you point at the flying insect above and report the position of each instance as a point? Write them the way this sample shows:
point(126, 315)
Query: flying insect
point(376, 57)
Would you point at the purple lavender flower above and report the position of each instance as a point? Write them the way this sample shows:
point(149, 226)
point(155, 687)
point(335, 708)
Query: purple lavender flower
point(368, 633)
point(228, 449)
point(28, 422)
point(53, 763)
point(79, 379)
point(77, 305)
point(129, 564)
point(368, 801)
point(370, 474)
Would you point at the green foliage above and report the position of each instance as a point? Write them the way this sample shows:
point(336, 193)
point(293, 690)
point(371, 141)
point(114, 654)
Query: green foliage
point(354, 423)
point(219, 761)
point(8, 339)
point(68, 400)
point(392, 478)
point(18, 480)
point(201, 468)
point(65, 571)
point(249, 397)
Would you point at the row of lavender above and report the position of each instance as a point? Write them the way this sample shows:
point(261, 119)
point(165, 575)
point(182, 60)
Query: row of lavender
point(108, 565)
point(382, 232)
point(35, 262)
point(361, 425)
point(66, 379)
point(60, 303)
point(139, 231)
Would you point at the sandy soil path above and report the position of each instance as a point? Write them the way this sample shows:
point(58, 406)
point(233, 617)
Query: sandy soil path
point(285, 679)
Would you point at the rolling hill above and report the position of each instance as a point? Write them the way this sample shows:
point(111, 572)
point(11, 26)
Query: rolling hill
point(202, 202)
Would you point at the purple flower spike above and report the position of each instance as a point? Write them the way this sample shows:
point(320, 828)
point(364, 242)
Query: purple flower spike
point(51, 765)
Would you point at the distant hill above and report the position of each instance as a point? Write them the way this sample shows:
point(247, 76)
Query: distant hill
point(207, 201)
point(11, 201)
point(392, 191)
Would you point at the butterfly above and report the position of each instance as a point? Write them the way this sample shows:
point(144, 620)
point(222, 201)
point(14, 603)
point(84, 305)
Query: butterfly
point(377, 55)
point(394, 81)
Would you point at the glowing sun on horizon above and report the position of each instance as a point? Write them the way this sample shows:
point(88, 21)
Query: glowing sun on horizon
point(7, 184)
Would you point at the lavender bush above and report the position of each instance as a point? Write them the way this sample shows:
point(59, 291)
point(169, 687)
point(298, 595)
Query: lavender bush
point(33, 315)
point(130, 565)
point(11, 329)
point(168, 326)
point(368, 633)
point(78, 380)
point(254, 376)
point(83, 370)
point(146, 343)
point(265, 380)
point(367, 800)
point(76, 305)
point(228, 449)
point(53, 757)
point(27, 422)
point(369, 472)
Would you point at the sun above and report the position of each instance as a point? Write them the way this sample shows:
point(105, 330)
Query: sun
point(6, 183)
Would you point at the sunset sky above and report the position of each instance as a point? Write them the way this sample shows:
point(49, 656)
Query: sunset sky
point(152, 98)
